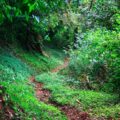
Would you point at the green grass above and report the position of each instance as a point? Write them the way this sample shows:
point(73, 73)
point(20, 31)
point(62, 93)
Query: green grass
point(41, 63)
point(19, 92)
point(109, 111)
point(23, 97)
point(12, 68)
point(63, 94)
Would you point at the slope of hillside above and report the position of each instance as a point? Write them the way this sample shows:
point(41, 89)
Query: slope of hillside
point(48, 96)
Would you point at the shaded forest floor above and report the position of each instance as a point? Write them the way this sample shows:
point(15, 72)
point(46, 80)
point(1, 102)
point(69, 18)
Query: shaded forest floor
point(32, 87)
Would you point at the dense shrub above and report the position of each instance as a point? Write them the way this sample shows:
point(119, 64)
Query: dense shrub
point(97, 58)
point(28, 20)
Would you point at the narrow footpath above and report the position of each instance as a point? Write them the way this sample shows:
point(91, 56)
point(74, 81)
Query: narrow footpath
point(44, 95)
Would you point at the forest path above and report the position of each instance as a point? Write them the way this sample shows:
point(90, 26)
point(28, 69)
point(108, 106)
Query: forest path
point(60, 67)
point(44, 95)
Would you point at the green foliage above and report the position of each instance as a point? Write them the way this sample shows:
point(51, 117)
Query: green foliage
point(27, 19)
point(102, 12)
point(94, 65)
point(116, 21)
point(41, 16)
point(98, 57)
point(110, 111)
point(64, 36)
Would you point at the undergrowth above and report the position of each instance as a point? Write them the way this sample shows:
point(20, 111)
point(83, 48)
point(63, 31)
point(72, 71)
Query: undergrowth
point(83, 99)
point(12, 68)
point(41, 63)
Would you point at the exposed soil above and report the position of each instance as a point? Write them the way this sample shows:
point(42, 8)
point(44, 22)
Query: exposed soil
point(6, 112)
point(41, 94)
point(57, 69)
point(71, 112)
point(74, 114)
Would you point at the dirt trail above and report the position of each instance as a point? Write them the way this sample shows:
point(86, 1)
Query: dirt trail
point(44, 95)
point(41, 94)
point(71, 112)
point(57, 69)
